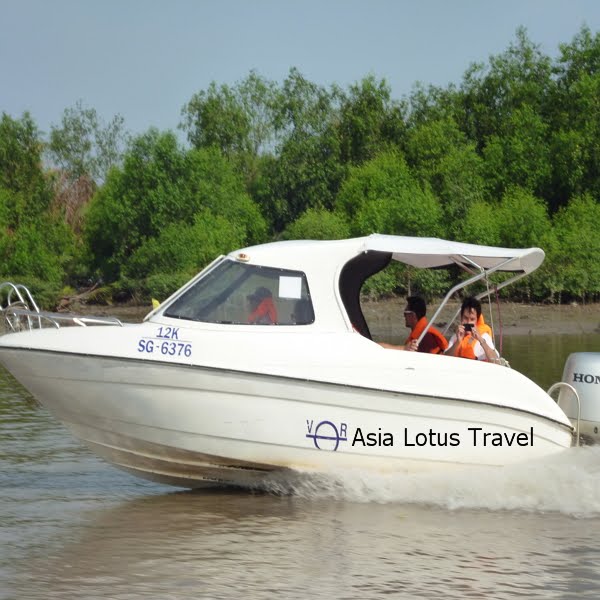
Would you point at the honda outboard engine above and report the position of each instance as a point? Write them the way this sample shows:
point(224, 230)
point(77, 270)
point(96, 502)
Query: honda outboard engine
point(582, 371)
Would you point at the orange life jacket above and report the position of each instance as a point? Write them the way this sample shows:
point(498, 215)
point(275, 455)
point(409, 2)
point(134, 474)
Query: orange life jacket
point(265, 313)
point(483, 327)
point(466, 349)
point(441, 343)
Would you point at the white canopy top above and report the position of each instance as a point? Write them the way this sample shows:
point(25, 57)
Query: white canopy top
point(434, 252)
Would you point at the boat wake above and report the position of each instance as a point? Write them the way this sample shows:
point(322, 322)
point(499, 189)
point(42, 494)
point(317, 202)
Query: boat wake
point(568, 484)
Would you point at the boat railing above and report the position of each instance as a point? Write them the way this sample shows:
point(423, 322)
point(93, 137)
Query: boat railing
point(21, 312)
point(562, 384)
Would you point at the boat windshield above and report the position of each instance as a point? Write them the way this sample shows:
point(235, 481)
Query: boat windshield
point(242, 294)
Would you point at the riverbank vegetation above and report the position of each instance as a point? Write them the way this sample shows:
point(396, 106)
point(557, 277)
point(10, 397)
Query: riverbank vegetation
point(509, 156)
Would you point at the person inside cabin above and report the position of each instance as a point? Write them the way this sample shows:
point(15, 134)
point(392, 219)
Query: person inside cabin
point(473, 337)
point(262, 307)
point(433, 341)
point(303, 312)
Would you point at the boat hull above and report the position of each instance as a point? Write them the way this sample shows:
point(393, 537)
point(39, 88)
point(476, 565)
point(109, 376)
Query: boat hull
point(193, 426)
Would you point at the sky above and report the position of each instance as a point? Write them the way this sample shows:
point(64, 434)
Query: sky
point(145, 59)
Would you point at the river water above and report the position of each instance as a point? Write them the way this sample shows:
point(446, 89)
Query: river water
point(72, 526)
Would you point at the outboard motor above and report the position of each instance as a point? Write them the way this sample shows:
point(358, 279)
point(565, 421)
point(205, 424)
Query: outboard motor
point(582, 371)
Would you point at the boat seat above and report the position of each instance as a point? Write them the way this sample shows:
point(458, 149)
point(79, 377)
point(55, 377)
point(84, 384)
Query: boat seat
point(303, 312)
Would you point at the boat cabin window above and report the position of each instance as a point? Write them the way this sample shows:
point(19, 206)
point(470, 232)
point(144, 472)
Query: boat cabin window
point(242, 294)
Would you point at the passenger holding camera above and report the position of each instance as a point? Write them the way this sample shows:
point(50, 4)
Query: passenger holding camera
point(473, 338)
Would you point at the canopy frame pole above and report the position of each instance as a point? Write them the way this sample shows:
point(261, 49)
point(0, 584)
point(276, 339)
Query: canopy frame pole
point(483, 295)
point(483, 273)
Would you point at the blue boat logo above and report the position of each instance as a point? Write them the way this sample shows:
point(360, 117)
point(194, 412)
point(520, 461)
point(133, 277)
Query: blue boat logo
point(325, 435)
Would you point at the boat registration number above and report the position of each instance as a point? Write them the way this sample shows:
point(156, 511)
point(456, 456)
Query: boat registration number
point(164, 347)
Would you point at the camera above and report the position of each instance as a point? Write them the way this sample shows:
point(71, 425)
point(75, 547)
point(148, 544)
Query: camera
point(468, 326)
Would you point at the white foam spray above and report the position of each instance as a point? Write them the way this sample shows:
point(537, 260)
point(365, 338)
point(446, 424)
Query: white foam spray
point(568, 483)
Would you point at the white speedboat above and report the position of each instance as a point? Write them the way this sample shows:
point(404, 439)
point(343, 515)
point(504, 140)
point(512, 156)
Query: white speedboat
point(264, 362)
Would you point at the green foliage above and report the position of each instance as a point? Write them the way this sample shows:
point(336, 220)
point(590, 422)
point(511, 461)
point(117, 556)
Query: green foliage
point(523, 222)
point(26, 189)
point(579, 58)
point(215, 185)
point(84, 146)
point(402, 280)
point(519, 154)
point(520, 76)
point(20, 150)
point(162, 285)
point(568, 156)
point(432, 103)
point(6, 199)
point(162, 184)
point(317, 224)
point(390, 281)
point(238, 119)
point(583, 125)
point(35, 244)
point(13, 208)
point(141, 291)
point(522, 219)
point(185, 248)
point(42, 250)
point(304, 107)
point(243, 121)
point(369, 120)
point(215, 117)
point(427, 283)
point(510, 157)
point(579, 246)
point(383, 196)
point(445, 160)
point(547, 282)
point(481, 226)
point(307, 169)
point(306, 175)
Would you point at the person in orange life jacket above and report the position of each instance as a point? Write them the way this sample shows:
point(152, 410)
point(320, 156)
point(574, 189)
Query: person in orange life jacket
point(433, 341)
point(262, 307)
point(473, 338)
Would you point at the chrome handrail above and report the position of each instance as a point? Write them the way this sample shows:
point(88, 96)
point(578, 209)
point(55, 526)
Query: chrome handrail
point(559, 384)
point(76, 319)
point(21, 311)
point(28, 302)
